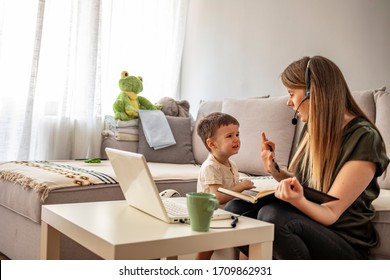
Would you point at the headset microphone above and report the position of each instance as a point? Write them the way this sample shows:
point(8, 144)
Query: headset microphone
point(294, 120)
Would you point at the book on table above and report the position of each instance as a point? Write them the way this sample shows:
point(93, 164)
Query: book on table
point(266, 185)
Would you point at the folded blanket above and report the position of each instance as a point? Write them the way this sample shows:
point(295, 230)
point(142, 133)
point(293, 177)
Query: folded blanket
point(44, 176)
point(156, 129)
point(111, 124)
point(121, 136)
point(128, 130)
point(130, 123)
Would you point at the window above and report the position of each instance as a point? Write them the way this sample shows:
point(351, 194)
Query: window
point(59, 70)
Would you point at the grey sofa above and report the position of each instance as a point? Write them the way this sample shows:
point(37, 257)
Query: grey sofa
point(177, 168)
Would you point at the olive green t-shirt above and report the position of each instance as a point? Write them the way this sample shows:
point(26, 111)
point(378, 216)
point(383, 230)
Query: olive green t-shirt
point(361, 141)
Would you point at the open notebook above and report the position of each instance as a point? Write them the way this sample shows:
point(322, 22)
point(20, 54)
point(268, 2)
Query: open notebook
point(266, 185)
point(141, 192)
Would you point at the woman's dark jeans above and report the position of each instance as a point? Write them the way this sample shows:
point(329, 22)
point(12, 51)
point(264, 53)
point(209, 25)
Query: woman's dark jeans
point(296, 235)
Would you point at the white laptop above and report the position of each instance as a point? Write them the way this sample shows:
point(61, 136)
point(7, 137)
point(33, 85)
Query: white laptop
point(140, 190)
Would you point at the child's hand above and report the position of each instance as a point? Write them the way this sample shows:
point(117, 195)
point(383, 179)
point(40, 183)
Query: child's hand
point(245, 185)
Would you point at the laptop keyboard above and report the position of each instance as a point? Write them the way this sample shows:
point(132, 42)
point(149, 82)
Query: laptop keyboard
point(174, 208)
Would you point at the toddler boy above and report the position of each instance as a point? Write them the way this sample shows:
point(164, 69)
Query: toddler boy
point(220, 134)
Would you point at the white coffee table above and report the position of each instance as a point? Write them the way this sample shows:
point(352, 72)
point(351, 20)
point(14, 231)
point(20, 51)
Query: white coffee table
point(114, 230)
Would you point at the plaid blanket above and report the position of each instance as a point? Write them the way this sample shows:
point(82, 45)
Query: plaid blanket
point(45, 176)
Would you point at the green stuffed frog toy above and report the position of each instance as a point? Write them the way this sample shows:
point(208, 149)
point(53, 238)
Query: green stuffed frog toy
point(128, 102)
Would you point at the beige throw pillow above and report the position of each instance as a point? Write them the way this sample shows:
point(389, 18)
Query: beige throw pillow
point(382, 99)
point(271, 115)
point(181, 153)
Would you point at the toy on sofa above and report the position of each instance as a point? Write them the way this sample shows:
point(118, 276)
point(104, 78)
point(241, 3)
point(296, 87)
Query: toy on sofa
point(128, 102)
point(171, 107)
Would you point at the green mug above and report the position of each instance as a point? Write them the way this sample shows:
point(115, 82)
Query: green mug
point(201, 207)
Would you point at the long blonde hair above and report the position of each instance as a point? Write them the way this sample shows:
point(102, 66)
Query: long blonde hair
point(330, 98)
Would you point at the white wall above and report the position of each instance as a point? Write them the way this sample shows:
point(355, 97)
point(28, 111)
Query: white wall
point(238, 48)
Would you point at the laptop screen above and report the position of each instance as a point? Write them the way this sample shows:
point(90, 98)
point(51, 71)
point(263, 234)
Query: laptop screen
point(136, 182)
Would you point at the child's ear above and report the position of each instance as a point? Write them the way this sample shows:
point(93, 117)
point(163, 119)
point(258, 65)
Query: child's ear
point(210, 143)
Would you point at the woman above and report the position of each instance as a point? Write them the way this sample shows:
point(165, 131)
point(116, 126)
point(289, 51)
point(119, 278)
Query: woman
point(341, 153)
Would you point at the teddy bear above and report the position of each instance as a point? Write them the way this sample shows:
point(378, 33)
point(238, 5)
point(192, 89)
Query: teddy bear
point(176, 108)
point(128, 102)
point(171, 107)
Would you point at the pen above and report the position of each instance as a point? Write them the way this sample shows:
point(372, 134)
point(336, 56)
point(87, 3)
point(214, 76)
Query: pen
point(275, 164)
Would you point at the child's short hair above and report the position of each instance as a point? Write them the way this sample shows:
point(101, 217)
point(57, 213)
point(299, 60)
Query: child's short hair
point(209, 125)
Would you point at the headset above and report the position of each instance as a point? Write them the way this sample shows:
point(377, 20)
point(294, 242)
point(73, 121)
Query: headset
point(294, 120)
point(234, 218)
point(233, 224)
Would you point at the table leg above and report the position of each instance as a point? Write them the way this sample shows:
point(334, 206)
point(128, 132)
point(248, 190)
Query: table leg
point(260, 251)
point(50, 242)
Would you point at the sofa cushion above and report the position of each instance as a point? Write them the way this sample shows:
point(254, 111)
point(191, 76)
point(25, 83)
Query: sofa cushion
point(111, 142)
point(382, 100)
point(179, 153)
point(206, 108)
point(27, 202)
point(271, 115)
point(365, 100)
point(173, 172)
point(382, 225)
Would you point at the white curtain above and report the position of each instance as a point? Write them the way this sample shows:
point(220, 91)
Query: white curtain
point(60, 63)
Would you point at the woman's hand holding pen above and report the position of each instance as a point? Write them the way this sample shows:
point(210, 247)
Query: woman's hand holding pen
point(267, 155)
